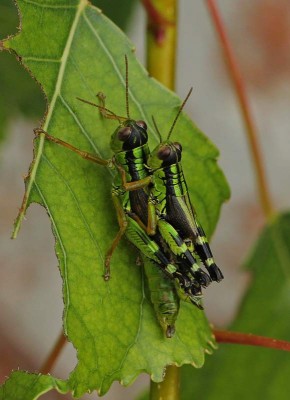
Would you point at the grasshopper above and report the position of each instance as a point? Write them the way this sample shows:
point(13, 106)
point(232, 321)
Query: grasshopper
point(130, 148)
point(174, 214)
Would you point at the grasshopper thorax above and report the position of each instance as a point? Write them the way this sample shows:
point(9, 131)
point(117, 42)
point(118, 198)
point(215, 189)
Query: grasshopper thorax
point(165, 154)
point(129, 135)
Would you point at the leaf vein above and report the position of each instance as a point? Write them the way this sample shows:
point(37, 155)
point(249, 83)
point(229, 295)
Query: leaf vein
point(54, 6)
point(65, 277)
point(94, 241)
point(64, 59)
point(119, 73)
point(85, 133)
point(38, 59)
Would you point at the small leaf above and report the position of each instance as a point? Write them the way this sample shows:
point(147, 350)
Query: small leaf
point(244, 372)
point(25, 386)
point(78, 52)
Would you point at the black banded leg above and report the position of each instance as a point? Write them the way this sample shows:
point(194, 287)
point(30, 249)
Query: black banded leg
point(204, 252)
point(185, 259)
point(189, 292)
point(149, 248)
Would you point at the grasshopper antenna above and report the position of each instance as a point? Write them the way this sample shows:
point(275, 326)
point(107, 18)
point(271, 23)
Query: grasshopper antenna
point(157, 130)
point(127, 86)
point(178, 114)
point(102, 108)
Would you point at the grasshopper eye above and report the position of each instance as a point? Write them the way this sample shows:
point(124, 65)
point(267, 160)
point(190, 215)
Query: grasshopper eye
point(124, 133)
point(178, 146)
point(142, 124)
point(163, 152)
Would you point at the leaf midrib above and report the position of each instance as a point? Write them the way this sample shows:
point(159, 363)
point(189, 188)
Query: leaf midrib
point(63, 63)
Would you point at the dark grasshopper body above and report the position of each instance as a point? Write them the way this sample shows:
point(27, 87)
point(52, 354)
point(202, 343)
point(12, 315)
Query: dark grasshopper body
point(132, 161)
point(130, 195)
point(129, 144)
point(173, 204)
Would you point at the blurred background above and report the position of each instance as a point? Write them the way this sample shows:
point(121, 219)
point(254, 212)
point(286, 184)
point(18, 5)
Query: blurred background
point(30, 294)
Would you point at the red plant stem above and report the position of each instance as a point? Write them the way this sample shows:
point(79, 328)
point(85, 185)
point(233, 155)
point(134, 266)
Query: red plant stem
point(250, 340)
point(251, 130)
point(54, 354)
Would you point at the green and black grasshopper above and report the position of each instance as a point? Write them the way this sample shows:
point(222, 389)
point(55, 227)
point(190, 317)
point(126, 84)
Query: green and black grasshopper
point(174, 214)
point(129, 144)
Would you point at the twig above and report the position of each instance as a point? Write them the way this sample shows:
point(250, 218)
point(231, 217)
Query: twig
point(250, 340)
point(54, 354)
point(251, 130)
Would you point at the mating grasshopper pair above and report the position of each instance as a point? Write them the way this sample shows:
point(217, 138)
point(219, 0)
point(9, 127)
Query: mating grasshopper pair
point(154, 212)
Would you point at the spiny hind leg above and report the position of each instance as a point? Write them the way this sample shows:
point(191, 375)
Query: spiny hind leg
point(137, 235)
point(203, 250)
point(185, 259)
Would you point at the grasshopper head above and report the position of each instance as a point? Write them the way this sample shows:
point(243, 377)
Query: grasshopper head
point(129, 135)
point(165, 154)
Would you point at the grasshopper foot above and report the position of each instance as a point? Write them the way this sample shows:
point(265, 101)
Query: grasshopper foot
point(170, 331)
point(215, 273)
point(202, 278)
point(107, 276)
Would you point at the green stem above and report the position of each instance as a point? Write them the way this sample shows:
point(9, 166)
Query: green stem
point(169, 388)
point(235, 73)
point(161, 61)
point(161, 40)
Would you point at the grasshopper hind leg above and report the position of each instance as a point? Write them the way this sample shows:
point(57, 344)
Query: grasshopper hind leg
point(202, 248)
point(215, 273)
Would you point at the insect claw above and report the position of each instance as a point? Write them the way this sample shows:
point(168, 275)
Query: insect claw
point(197, 304)
point(107, 276)
point(215, 273)
point(38, 131)
point(170, 331)
point(202, 278)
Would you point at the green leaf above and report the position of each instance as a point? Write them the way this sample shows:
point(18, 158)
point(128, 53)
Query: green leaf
point(73, 50)
point(25, 386)
point(119, 15)
point(27, 98)
point(244, 372)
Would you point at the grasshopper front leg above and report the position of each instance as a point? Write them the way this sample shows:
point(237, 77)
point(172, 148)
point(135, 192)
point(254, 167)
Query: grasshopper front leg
point(83, 154)
point(122, 221)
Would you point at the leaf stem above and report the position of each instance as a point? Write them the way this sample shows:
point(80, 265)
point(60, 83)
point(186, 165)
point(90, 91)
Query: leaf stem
point(54, 354)
point(161, 61)
point(239, 84)
point(161, 40)
point(250, 340)
point(169, 388)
